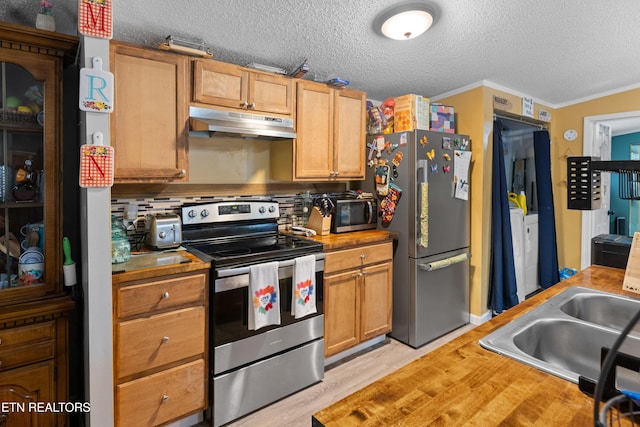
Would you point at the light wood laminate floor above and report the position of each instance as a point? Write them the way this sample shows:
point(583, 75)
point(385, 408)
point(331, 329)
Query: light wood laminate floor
point(340, 380)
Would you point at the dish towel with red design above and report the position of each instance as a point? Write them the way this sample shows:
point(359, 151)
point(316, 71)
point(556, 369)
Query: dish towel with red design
point(303, 297)
point(264, 296)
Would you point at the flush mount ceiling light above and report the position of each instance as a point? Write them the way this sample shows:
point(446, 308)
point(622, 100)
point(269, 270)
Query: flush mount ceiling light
point(407, 21)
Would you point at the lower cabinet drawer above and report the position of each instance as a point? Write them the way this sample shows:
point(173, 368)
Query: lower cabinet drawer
point(348, 259)
point(27, 344)
point(154, 341)
point(161, 397)
point(27, 334)
point(26, 354)
point(162, 294)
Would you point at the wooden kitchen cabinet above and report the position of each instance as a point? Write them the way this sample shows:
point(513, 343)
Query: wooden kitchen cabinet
point(34, 309)
point(231, 86)
point(35, 385)
point(160, 347)
point(358, 295)
point(149, 124)
point(331, 133)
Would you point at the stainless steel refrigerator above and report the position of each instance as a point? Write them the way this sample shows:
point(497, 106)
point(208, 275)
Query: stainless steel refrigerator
point(423, 195)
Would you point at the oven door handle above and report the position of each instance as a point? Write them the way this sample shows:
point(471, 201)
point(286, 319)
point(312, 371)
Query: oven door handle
point(234, 278)
point(246, 270)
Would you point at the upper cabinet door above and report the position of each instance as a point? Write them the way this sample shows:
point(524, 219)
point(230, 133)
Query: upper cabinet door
point(270, 93)
point(219, 83)
point(314, 144)
point(30, 162)
point(149, 129)
point(232, 86)
point(26, 160)
point(349, 137)
point(331, 133)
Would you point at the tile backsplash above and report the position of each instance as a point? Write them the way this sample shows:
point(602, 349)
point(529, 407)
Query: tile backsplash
point(290, 210)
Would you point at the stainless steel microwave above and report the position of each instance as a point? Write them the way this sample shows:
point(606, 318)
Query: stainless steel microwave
point(354, 215)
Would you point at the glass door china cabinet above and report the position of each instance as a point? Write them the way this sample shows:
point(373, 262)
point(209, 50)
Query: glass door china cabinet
point(33, 306)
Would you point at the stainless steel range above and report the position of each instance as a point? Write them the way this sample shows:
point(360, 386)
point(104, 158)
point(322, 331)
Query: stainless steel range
point(253, 368)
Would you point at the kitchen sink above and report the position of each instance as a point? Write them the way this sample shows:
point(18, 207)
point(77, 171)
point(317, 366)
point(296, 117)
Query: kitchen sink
point(564, 335)
point(607, 310)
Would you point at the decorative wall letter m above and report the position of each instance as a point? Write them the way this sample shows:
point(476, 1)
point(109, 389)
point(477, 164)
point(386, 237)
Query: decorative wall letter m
point(95, 18)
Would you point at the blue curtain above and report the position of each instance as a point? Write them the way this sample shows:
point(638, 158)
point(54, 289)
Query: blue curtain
point(547, 249)
point(502, 275)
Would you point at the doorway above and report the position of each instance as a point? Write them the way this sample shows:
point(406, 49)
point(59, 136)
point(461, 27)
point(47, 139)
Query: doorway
point(618, 123)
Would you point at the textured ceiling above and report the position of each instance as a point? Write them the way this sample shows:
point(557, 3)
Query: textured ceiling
point(555, 51)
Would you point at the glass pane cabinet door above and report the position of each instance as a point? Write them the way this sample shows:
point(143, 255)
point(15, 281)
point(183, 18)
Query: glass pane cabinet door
point(22, 179)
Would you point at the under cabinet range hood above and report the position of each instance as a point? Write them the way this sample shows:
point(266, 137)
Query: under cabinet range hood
point(205, 122)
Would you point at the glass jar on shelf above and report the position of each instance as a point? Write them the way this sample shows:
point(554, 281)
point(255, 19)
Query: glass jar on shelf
point(120, 246)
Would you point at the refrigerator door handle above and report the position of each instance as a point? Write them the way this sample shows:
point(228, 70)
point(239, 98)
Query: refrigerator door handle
point(443, 263)
point(422, 171)
point(422, 229)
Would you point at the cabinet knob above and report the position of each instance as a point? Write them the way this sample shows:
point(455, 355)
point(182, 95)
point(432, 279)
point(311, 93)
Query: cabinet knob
point(332, 173)
point(0, 341)
point(165, 340)
point(336, 173)
point(165, 398)
point(362, 257)
point(245, 104)
point(183, 172)
point(165, 295)
point(252, 106)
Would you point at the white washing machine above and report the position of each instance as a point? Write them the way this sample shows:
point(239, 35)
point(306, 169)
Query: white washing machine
point(531, 276)
point(518, 239)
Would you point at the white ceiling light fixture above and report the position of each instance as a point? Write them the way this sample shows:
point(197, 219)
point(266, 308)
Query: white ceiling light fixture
point(406, 21)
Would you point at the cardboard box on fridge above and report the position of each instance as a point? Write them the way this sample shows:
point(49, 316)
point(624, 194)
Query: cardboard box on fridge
point(442, 118)
point(411, 112)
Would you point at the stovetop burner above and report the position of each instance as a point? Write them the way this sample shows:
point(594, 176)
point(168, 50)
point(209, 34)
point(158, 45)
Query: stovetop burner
point(255, 250)
point(239, 233)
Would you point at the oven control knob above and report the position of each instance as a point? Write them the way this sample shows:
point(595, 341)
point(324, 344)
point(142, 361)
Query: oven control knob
point(162, 234)
point(272, 209)
point(192, 213)
point(262, 209)
point(204, 213)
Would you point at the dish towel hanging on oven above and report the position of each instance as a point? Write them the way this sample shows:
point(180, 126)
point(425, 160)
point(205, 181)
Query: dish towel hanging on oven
point(264, 297)
point(303, 297)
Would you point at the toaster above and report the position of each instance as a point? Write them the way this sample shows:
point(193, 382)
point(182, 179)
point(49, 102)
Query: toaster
point(163, 231)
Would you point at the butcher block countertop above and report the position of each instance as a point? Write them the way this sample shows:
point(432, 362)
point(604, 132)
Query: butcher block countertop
point(333, 242)
point(156, 264)
point(461, 383)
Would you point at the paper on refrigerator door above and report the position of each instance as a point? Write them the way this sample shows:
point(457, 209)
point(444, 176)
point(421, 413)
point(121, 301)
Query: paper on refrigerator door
point(461, 163)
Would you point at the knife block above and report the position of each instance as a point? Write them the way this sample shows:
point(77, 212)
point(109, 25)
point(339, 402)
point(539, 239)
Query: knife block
point(318, 223)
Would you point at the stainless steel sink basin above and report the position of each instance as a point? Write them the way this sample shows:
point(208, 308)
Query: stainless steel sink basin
point(607, 310)
point(564, 335)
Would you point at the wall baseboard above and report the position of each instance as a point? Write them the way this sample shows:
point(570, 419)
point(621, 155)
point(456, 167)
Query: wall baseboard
point(479, 320)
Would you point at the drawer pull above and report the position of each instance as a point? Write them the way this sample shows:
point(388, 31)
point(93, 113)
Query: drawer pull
point(165, 295)
point(165, 340)
point(362, 257)
point(165, 398)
